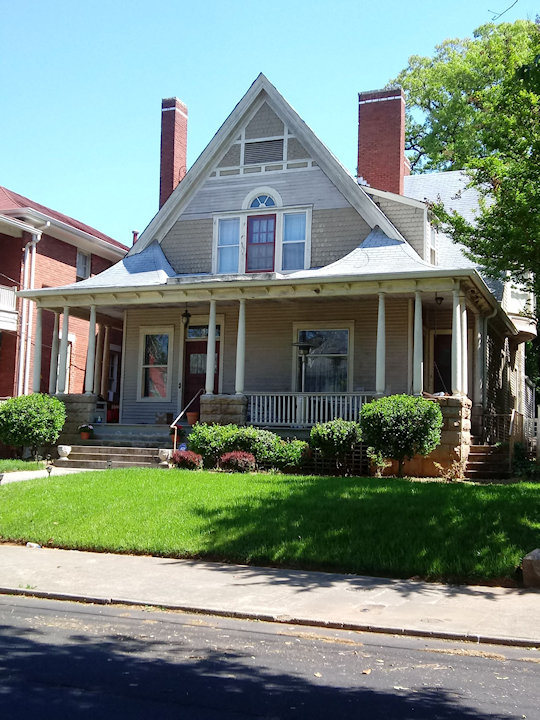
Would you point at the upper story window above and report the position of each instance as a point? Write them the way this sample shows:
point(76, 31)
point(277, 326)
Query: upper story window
point(83, 265)
point(255, 240)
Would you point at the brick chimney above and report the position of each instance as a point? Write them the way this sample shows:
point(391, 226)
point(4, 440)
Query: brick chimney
point(381, 139)
point(174, 117)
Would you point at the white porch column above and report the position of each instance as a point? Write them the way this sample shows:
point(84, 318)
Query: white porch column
point(36, 382)
point(91, 353)
point(456, 344)
point(240, 348)
point(464, 347)
point(98, 363)
point(211, 349)
point(418, 357)
point(53, 369)
point(105, 365)
point(478, 361)
point(63, 352)
point(410, 343)
point(380, 361)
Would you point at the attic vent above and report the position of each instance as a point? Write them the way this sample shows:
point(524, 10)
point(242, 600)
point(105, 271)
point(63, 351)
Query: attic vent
point(263, 152)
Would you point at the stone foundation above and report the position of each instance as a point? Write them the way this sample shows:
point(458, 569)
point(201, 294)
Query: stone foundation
point(223, 409)
point(80, 409)
point(455, 440)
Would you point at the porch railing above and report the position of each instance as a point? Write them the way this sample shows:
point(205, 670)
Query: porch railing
point(303, 409)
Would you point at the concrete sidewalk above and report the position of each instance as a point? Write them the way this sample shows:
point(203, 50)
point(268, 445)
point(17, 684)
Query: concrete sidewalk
point(19, 475)
point(483, 614)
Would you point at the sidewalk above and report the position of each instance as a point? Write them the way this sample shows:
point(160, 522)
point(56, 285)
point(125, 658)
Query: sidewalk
point(482, 614)
point(19, 475)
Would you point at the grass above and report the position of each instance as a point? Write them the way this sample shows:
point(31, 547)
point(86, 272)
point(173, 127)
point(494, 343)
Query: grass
point(385, 527)
point(15, 465)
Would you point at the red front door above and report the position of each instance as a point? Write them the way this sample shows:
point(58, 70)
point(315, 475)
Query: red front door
point(195, 371)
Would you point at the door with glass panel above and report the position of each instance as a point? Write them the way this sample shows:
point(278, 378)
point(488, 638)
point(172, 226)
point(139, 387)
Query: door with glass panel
point(195, 364)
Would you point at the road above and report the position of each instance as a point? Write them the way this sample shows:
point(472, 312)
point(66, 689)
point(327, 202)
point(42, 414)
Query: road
point(67, 660)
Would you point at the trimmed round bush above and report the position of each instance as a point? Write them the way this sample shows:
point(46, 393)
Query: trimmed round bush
point(31, 421)
point(401, 426)
point(237, 461)
point(211, 441)
point(187, 460)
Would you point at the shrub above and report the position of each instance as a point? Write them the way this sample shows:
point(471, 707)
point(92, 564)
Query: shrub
point(263, 444)
point(187, 460)
point(31, 420)
point(335, 439)
point(237, 461)
point(401, 426)
point(291, 454)
point(211, 441)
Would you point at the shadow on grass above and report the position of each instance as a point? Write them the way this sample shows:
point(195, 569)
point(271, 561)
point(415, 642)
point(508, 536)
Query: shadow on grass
point(118, 675)
point(382, 527)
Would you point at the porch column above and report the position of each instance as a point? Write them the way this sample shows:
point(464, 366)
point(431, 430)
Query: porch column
point(240, 348)
point(53, 369)
point(211, 349)
point(99, 357)
point(464, 348)
point(418, 358)
point(380, 360)
point(478, 360)
point(456, 344)
point(63, 352)
point(105, 365)
point(91, 353)
point(36, 383)
point(410, 343)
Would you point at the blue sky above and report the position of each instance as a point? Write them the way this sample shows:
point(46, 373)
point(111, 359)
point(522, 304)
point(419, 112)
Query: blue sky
point(83, 82)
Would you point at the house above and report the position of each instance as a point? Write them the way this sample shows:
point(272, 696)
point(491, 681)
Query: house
point(41, 248)
point(274, 288)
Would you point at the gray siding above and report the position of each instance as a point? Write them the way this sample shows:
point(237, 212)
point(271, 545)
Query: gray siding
point(334, 233)
point(265, 123)
point(188, 246)
point(410, 221)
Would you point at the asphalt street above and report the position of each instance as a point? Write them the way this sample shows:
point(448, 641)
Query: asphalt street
point(68, 660)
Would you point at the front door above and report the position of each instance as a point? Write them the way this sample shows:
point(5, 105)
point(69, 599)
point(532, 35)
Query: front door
point(442, 363)
point(195, 371)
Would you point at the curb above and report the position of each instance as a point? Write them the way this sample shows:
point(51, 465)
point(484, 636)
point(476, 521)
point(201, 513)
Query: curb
point(280, 619)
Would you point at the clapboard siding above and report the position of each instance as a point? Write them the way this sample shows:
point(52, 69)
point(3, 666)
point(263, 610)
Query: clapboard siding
point(298, 187)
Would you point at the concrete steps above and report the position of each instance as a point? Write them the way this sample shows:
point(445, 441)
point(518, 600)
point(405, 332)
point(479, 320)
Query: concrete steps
point(104, 457)
point(487, 462)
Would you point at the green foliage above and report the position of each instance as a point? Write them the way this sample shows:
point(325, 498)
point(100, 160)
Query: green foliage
point(335, 439)
point(475, 106)
point(290, 455)
point(401, 426)
point(269, 450)
point(31, 420)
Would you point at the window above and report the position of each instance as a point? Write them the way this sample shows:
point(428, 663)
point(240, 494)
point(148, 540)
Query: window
point(228, 245)
point(254, 241)
point(261, 234)
point(155, 360)
point(83, 265)
point(323, 359)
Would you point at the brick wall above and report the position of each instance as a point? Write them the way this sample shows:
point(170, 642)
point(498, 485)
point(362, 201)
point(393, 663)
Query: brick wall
point(174, 115)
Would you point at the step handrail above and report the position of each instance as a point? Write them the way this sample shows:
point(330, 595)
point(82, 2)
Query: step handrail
point(173, 425)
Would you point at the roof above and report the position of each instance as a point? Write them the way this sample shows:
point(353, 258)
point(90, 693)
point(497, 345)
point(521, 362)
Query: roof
point(148, 268)
point(10, 200)
point(197, 174)
point(375, 255)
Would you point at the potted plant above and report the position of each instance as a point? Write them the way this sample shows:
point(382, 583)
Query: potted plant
point(86, 431)
point(192, 417)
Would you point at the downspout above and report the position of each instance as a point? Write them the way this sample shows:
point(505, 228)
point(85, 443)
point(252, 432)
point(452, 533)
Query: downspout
point(27, 319)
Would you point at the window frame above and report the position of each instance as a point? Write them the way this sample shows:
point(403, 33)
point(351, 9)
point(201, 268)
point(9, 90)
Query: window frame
point(87, 266)
point(279, 211)
point(251, 218)
point(155, 330)
point(330, 325)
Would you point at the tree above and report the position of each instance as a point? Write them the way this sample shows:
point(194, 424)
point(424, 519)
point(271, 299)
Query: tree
point(480, 100)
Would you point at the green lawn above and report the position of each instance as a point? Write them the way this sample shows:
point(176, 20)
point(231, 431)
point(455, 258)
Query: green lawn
point(14, 465)
point(389, 527)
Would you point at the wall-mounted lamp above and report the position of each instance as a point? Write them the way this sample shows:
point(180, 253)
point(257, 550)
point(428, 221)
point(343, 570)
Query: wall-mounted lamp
point(438, 299)
point(186, 317)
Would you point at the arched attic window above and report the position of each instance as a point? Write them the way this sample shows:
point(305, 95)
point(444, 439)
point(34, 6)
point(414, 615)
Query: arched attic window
point(262, 197)
point(262, 201)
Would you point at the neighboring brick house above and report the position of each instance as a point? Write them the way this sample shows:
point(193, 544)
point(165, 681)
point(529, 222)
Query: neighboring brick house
point(288, 292)
point(41, 248)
